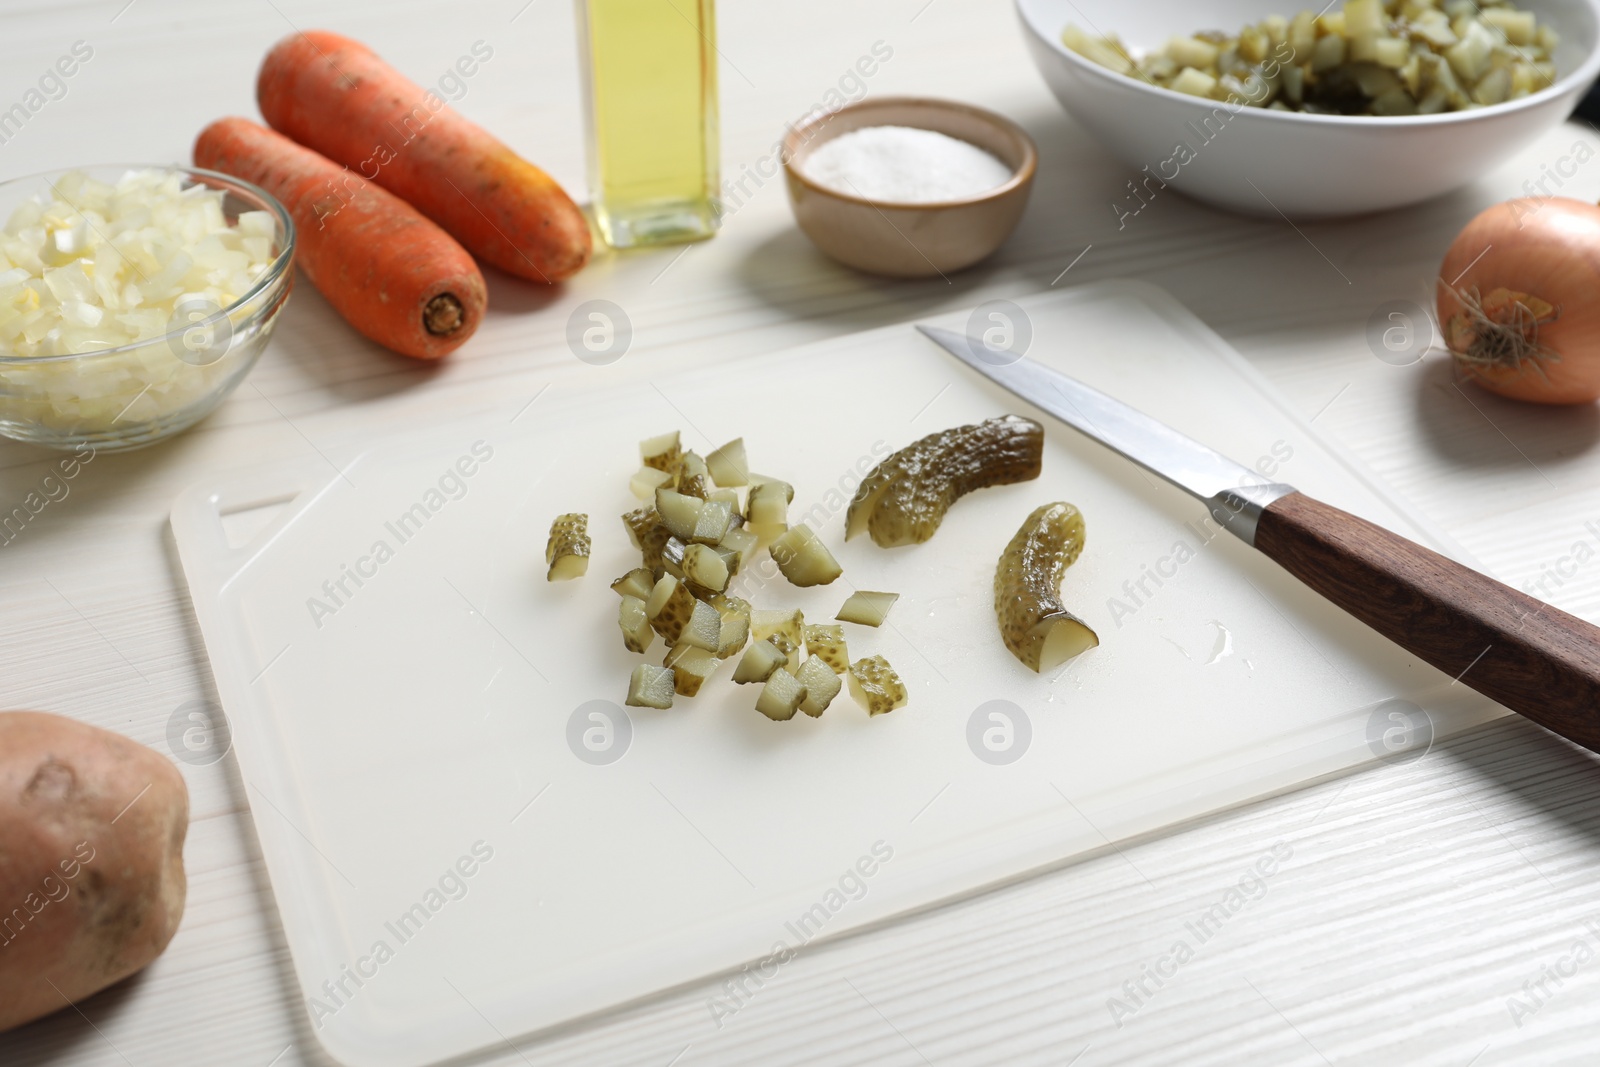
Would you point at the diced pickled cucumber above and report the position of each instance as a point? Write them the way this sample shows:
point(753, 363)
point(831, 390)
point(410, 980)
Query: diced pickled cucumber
point(875, 686)
point(730, 559)
point(803, 558)
point(568, 549)
point(648, 535)
point(767, 532)
point(636, 631)
point(1451, 55)
point(1034, 624)
point(768, 504)
point(648, 479)
point(826, 642)
point(679, 512)
point(670, 608)
point(781, 696)
point(691, 666)
point(1519, 27)
point(672, 554)
point(742, 542)
point(1363, 17)
point(704, 628)
point(727, 604)
point(728, 464)
point(712, 523)
point(693, 478)
point(821, 685)
point(785, 627)
point(867, 608)
point(704, 567)
point(788, 621)
point(735, 631)
point(661, 452)
point(637, 582)
point(650, 687)
point(758, 662)
point(789, 648)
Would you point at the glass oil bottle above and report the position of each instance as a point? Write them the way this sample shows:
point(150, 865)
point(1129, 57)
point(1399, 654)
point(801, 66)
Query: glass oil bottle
point(650, 68)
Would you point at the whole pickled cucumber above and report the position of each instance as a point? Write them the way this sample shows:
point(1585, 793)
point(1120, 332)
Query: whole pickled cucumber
point(904, 499)
point(1035, 625)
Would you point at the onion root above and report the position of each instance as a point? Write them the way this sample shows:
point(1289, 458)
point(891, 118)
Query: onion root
point(1500, 329)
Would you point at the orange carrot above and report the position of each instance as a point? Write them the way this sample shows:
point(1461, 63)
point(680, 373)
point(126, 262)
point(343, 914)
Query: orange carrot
point(391, 273)
point(338, 97)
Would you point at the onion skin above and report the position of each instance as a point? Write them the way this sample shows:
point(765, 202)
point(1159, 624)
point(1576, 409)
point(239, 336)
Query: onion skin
point(1549, 249)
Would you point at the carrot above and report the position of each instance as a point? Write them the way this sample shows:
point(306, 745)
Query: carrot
point(338, 97)
point(392, 274)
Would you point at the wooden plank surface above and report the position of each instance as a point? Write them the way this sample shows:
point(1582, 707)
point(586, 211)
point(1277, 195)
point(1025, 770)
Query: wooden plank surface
point(1432, 912)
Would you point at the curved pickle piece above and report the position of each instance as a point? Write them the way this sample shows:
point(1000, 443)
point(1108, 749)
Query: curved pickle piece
point(1035, 625)
point(904, 499)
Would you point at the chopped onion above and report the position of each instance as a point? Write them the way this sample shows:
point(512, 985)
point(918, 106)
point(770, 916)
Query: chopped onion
point(87, 266)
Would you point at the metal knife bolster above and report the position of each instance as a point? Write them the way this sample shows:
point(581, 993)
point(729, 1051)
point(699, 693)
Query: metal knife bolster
point(1239, 510)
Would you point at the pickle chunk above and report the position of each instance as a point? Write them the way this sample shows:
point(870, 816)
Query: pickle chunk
point(875, 686)
point(759, 661)
point(670, 608)
point(690, 667)
point(568, 549)
point(904, 499)
point(1035, 625)
point(636, 632)
point(661, 452)
point(803, 558)
point(781, 696)
point(867, 608)
point(821, 685)
point(636, 583)
point(650, 687)
point(649, 535)
point(827, 644)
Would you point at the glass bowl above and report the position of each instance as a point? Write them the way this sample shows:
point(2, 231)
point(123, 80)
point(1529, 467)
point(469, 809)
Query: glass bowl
point(138, 393)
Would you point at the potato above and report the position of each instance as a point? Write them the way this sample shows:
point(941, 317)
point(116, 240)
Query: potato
point(91, 860)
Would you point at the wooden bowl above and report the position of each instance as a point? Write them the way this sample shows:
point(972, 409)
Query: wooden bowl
point(911, 240)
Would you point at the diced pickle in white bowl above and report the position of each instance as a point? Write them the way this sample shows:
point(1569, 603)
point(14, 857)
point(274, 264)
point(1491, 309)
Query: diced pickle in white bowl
point(1171, 99)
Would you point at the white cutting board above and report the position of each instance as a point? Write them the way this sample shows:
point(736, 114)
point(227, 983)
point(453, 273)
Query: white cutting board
point(383, 742)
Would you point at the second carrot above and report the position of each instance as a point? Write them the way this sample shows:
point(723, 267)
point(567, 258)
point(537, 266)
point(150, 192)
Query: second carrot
point(338, 97)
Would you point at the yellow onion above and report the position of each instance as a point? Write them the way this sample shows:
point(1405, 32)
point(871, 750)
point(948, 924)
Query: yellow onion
point(1519, 300)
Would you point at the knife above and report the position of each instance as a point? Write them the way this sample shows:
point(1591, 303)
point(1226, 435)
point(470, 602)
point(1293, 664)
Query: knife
point(1532, 658)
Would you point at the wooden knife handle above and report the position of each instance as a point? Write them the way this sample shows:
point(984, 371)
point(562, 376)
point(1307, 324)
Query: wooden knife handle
point(1528, 656)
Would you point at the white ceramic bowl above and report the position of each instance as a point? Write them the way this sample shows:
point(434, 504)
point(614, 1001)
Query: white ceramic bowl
point(1265, 162)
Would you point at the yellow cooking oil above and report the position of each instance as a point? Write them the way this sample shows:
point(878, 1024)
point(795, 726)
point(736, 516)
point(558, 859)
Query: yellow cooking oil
point(651, 73)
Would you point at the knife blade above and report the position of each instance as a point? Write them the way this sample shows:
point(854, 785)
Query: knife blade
point(1535, 659)
point(1234, 494)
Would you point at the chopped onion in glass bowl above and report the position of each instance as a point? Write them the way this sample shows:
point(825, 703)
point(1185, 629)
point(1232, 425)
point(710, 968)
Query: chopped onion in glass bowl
point(132, 299)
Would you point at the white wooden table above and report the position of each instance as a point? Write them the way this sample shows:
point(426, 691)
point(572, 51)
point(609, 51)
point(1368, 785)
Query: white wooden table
point(1437, 912)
